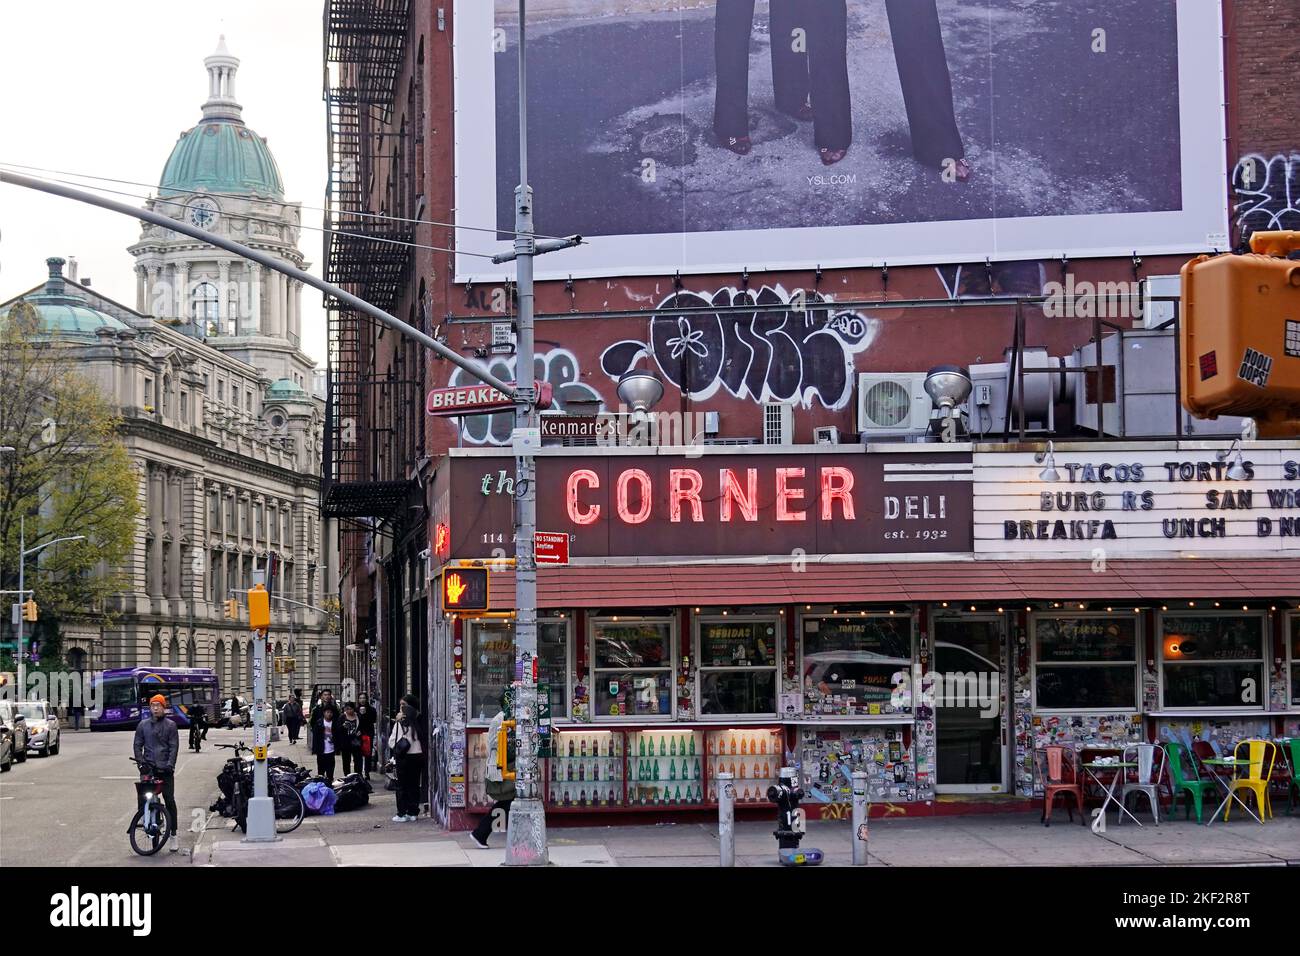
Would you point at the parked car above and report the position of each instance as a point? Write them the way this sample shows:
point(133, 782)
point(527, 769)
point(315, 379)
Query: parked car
point(13, 718)
point(234, 712)
point(44, 731)
point(6, 748)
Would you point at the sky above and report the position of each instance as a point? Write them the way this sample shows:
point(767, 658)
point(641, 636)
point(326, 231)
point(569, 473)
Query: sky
point(106, 88)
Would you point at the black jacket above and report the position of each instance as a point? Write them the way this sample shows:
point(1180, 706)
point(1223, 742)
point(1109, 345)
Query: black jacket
point(318, 733)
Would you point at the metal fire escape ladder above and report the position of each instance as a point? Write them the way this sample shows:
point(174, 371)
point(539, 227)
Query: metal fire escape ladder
point(365, 43)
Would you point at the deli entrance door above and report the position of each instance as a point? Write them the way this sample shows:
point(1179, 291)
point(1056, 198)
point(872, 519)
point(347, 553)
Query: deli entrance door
point(970, 667)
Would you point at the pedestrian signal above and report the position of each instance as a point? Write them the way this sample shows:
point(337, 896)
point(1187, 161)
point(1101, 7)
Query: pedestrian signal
point(465, 589)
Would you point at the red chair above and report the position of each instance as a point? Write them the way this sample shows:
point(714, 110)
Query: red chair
point(1203, 751)
point(1056, 768)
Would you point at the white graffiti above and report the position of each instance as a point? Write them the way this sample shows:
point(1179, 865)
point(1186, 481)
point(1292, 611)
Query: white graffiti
point(558, 366)
point(1266, 193)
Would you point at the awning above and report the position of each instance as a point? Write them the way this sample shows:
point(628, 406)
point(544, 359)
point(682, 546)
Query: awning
point(739, 585)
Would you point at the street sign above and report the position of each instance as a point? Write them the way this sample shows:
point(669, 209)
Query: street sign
point(575, 426)
point(465, 589)
point(551, 547)
point(477, 400)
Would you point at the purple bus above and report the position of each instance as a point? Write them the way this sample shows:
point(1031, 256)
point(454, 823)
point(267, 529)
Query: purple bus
point(123, 695)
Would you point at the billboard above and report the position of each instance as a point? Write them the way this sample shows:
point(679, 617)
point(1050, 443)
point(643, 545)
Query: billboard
point(719, 135)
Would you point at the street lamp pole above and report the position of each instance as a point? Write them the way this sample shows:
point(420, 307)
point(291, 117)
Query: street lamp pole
point(526, 823)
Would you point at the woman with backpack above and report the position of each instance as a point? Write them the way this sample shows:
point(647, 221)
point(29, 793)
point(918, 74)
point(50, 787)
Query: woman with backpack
point(292, 713)
point(406, 740)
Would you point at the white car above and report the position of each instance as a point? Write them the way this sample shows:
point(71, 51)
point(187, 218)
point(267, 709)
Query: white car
point(43, 728)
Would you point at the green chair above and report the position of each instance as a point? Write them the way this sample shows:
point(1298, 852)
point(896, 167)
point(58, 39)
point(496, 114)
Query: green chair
point(1190, 786)
point(1291, 750)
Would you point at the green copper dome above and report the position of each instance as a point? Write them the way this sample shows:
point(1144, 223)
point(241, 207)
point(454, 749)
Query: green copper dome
point(221, 156)
point(64, 313)
point(286, 390)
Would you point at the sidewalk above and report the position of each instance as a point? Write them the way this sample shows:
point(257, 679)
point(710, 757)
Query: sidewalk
point(368, 837)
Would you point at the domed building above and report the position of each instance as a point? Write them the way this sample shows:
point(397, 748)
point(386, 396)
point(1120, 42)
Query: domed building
point(219, 417)
point(222, 177)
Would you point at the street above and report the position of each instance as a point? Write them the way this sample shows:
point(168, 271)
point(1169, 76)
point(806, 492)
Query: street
point(46, 820)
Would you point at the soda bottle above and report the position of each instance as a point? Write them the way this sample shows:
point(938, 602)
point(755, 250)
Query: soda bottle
point(672, 750)
point(641, 740)
point(733, 745)
point(656, 765)
point(672, 770)
point(762, 743)
point(679, 795)
point(742, 770)
point(663, 752)
point(692, 745)
point(582, 770)
point(744, 745)
point(697, 768)
point(570, 746)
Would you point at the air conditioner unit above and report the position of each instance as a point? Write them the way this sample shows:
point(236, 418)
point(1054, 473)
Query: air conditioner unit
point(892, 404)
point(778, 423)
point(826, 435)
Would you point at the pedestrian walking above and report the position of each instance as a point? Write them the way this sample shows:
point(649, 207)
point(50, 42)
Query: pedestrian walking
point(500, 789)
point(156, 745)
point(323, 740)
point(77, 712)
point(349, 738)
point(367, 716)
point(292, 713)
point(406, 740)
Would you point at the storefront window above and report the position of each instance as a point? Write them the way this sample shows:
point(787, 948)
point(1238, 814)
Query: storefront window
point(632, 667)
point(738, 666)
point(853, 664)
point(1295, 660)
point(1212, 660)
point(1085, 662)
point(492, 661)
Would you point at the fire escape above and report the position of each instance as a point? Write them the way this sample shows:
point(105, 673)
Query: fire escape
point(364, 253)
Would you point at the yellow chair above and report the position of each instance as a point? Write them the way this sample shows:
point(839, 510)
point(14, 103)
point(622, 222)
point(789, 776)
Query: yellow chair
point(1255, 778)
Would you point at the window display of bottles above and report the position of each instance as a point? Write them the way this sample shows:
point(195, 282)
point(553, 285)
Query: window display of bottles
point(665, 768)
point(753, 756)
point(585, 770)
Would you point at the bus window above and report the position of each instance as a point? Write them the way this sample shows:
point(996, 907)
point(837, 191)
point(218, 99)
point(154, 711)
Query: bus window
point(118, 692)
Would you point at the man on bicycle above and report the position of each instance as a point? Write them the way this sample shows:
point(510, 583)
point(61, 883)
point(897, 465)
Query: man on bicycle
point(157, 744)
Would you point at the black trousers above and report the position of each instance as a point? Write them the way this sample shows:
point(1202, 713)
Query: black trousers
point(926, 82)
point(408, 784)
point(484, 828)
point(812, 65)
point(168, 778)
point(350, 757)
point(293, 729)
point(325, 765)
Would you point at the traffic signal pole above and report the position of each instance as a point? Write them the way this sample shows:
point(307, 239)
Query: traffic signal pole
point(526, 824)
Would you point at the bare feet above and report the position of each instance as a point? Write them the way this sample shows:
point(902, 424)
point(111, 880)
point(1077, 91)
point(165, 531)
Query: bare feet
point(831, 156)
point(740, 145)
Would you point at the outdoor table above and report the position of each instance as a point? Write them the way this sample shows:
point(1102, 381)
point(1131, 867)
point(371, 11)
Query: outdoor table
point(1110, 791)
point(1230, 794)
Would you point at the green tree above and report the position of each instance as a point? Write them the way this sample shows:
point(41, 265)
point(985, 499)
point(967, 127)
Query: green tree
point(71, 475)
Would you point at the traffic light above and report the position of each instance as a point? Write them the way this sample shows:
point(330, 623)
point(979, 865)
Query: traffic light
point(232, 610)
point(465, 589)
point(30, 610)
point(259, 608)
point(1240, 335)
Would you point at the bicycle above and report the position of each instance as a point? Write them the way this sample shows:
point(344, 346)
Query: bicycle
point(287, 802)
point(151, 827)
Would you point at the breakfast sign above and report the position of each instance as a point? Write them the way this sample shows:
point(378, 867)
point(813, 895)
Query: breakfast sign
point(724, 504)
point(1160, 501)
